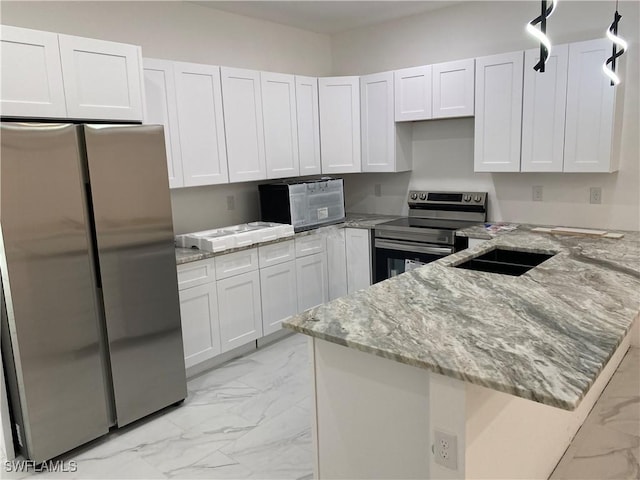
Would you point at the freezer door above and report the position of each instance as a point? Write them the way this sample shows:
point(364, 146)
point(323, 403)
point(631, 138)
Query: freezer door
point(134, 232)
point(49, 287)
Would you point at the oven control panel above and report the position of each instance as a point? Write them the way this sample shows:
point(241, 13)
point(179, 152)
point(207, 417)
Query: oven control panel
point(441, 198)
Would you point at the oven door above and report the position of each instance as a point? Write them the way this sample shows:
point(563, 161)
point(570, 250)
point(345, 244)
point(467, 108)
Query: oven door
point(393, 257)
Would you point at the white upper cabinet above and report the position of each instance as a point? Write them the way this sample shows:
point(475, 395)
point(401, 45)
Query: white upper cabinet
point(413, 97)
point(453, 87)
point(340, 124)
point(498, 113)
point(102, 80)
point(543, 111)
point(31, 84)
point(280, 125)
point(200, 124)
point(590, 109)
point(381, 149)
point(161, 108)
point(243, 123)
point(308, 125)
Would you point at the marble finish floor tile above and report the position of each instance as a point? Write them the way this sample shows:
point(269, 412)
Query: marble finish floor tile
point(607, 446)
point(250, 418)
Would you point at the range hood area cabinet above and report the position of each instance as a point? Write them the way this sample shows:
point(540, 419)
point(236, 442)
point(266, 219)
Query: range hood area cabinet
point(567, 112)
point(442, 90)
point(47, 75)
point(267, 129)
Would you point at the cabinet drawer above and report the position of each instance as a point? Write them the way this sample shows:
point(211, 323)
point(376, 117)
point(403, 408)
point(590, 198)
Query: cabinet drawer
point(309, 245)
point(236, 263)
point(196, 273)
point(276, 253)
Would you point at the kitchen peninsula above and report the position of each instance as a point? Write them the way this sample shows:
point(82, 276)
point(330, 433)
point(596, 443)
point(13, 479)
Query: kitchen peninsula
point(507, 366)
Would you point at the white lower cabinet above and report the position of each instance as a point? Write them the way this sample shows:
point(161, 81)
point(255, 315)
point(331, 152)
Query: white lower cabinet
point(311, 275)
point(240, 310)
point(200, 327)
point(358, 259)
point(279, 295)
point(337, 264)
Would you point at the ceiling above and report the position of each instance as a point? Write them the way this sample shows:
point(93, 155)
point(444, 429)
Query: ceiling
point(327, 17)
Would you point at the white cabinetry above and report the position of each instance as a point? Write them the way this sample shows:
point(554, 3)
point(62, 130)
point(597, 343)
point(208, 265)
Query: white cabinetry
point(239, 299)
point(337, 264)
point(201, 124)
point(590, 109)
point(311, 271)
point(101, 79)
point(161, 108)
point(280, 124)
point(200, 328)
point(413, 98)
point(278, 287)
point(48, 75)
point(498, 113)
point(308, 125)
point(453, 87)
point(340, 124)
point(243, 123)
point(385, 147)
point(358, 248)
point(31, 83)
point(543, 111)
point(199, 312)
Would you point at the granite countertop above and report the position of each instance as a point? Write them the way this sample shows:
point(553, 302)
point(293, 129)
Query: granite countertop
point(352, 220)
point(544, 336)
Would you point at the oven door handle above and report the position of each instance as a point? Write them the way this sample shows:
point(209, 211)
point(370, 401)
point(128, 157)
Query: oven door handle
point(411, 247)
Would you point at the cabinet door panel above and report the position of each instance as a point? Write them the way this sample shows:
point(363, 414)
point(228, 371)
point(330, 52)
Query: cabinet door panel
point(590, 109)
point(279, 295)
point(201, 124)
point(340, 124)
point(200, 327)
point(358, 247)
point(102, 80)
point(240, 310)
point(31, 74)
point(453, 86)
point(378, 125)
point(308, 125)
point(242, 100)
point(413, 99)
point(311, 274)
point(543, 111)
point(161, 108)
point(498, 113)
point(337, 264)
point(280, 125)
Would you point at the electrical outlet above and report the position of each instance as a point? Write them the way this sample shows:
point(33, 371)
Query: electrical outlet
point(536, 193)
point(231, 202)
point(595, 195)
point(377, 190)
point(445, 449)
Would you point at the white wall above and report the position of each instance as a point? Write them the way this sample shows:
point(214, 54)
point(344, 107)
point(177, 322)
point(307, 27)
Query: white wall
point(188, 32)
point(443, 149)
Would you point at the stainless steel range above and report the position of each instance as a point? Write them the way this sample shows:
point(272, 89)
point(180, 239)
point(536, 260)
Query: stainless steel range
point(428, 233)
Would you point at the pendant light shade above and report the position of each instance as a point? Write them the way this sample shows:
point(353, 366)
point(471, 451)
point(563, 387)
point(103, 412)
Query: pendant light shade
point(546, 9)
point(619, 47)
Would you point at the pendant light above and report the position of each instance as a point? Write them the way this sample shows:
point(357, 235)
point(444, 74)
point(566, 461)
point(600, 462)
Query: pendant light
point(541, 35)
point(619, 47)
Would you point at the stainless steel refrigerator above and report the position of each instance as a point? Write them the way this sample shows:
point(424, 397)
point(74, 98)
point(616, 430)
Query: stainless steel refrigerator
point(91, 333)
